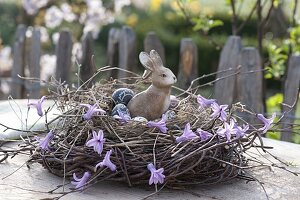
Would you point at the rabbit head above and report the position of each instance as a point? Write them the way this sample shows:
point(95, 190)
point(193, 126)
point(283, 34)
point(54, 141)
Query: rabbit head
point(154, 101)
point(161, 76)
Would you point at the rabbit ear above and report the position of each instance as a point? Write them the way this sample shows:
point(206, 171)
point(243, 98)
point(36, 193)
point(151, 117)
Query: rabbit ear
point(146, 61)
point(156, 58)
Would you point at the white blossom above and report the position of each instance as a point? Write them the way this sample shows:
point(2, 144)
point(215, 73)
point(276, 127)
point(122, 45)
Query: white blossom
point(33, 6)
point(48, 65)
point(53, 17)
point(5, 87)
point(93, 28)
point(44, 34)
point(5, 58)
point(5, 65)
point(69, 16)
point(119, 4)
point(95, 17)
point(76, 51)
point(55, 38)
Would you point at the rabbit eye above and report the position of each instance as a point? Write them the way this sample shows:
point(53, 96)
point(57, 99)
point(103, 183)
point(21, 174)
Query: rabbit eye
point(164, 75)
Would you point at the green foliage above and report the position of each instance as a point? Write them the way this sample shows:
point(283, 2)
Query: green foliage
point(294, 39)
point(276, 3)
point(273, 135)
point(277, 61)
point(204, 23)
point(273, 104)
point(8, 21)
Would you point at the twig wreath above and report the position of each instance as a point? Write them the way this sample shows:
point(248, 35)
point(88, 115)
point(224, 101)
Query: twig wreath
point(200, 142)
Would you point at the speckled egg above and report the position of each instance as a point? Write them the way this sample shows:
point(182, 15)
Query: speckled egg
point(121, 108)
point(140, 119)
point(122, 95)
point(171, 114)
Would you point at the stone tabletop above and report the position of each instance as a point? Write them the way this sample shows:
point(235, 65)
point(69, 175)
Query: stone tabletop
point(19, 182)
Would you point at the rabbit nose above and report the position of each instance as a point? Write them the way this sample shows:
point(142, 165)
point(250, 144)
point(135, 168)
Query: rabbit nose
point(174, 78)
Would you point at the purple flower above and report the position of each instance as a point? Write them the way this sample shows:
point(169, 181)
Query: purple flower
point(106, 162)
point(156, 174)
point(44, 143)
point(38, 105)
point(240, 132)
point(92, 109)
point(204, 135)
point(97, 141)
point(161, 125)
point(219, 111)
point(123, 118)
point(188, 134)
point(267, 122)
point(227, 130)
point(205, 102)
point(80, 182)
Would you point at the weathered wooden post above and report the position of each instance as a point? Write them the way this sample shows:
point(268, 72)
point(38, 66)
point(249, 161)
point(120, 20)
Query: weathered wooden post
point(17, 87)
point(63, 55)
point(113, 50)
point(188, 63)
point(291, 92)
point(153, 42)
point(229, 59)
point(249, 81)
point(34, 55)
point(127, 51)
point(87, 68)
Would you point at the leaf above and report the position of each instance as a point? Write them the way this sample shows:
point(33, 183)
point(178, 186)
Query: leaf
point(216, 23)
point(204, 23)
point(268, 76)
point(227, 2)
point(276, 3)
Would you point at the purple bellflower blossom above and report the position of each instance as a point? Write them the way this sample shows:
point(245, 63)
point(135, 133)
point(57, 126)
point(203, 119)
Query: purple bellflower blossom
point(123, 118)
point(107, 162)
point(44, 143)
point(219, 111)
point(204, 135)
point(240, 132)
point(156, 174)
point(267, 122)
point(227, 131)
point(80, 182)
point(205, 102)
point(38, 105)
point(187, 134)
point(161, 125)
point(97, 141)
point(92, 109)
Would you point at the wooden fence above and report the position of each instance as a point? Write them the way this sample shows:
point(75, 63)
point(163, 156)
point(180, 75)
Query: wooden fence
point(239, 76)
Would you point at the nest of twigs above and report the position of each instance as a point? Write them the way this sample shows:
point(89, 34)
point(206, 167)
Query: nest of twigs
point(135, 145)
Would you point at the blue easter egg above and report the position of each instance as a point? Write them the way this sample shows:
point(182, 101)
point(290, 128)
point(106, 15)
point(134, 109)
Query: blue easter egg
point(122, 95)
point(121, 108)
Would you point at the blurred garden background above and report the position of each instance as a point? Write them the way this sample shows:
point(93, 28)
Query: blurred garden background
point(272, 26)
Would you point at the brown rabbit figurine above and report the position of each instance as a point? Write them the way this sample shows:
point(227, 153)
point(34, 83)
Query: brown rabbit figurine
point(154, 101)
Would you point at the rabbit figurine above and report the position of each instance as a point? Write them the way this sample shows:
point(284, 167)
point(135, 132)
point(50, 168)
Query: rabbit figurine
point(154, 101)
